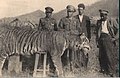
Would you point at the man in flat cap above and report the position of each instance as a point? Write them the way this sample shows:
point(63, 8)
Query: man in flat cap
point(70, 24)
point(84, 24)
point(48, 23)
point(107, 34)
point(84, 21)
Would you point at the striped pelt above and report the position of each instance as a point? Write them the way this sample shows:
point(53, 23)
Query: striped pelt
point(16, 40)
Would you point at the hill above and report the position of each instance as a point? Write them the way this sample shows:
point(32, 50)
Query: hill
point(111, 5)
point(33, 17)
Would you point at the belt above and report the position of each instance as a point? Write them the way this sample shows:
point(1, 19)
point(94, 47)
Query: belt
point(104, 35)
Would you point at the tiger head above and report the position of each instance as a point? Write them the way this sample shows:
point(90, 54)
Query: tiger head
point(82, 44)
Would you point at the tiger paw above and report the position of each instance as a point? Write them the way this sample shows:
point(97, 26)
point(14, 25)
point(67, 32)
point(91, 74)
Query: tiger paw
point(53, 74)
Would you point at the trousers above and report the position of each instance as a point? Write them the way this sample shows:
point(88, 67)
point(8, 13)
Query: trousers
point(107, 54)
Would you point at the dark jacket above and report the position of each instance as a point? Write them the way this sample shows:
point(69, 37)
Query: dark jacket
point(85, 25)
point(113, 28)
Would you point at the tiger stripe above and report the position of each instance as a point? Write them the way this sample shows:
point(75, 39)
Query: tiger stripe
point(28, 41)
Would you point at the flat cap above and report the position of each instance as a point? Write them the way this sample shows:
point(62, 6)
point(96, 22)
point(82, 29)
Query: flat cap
point(71, 8)
point(49, 9)
point(81, 6)
point(100, 10)
point(103, 11)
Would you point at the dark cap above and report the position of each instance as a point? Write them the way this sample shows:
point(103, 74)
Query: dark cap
point(103, 11)
point(81, 6)
point(71, 8)
point(49, 9)
point(100, 10)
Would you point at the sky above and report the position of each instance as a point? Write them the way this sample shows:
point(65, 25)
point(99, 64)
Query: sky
point(11, 8)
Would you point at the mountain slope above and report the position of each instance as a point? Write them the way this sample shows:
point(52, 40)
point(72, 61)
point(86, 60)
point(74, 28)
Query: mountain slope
point(33, 17)
point(111, 5)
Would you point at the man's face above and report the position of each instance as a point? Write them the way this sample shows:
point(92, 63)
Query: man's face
point(69, 13)
point(48, 14)
point(81, 11)
point(103, 16)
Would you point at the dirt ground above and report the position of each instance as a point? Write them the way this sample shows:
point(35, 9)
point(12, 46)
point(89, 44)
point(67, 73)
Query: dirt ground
point(92, 71)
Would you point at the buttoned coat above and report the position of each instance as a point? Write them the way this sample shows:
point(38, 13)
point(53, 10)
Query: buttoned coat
point(47, 24)
point(71, 25)
point(85, 25)
point(112, 26)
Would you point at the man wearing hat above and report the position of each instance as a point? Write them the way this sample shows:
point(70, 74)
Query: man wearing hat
point(70, 24)
point(48, 23)
point(84, 21)
point(107, 34)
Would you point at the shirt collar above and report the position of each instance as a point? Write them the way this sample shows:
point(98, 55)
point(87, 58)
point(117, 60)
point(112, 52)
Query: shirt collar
point(80, 15)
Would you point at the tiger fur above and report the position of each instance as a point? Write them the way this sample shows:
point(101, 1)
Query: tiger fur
point(16, 40)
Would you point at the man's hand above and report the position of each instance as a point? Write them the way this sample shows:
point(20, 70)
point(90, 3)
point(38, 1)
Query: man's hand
point(97, 44)
point(113, 39)
point(89, 40)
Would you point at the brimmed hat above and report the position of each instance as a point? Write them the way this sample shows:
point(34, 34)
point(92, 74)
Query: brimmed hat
point(49, 9)
point(103, 11)
point(71, 8)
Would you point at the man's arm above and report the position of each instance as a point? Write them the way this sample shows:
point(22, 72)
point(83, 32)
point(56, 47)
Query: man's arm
point(61, 25)
point(55, 25)
point(97, 28)
point(88, 28)
point(39, 26)
point(116, 26)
